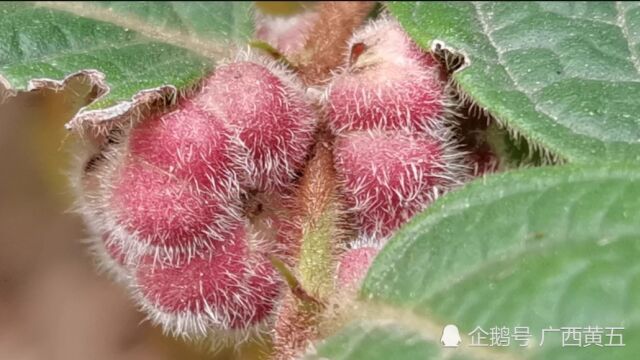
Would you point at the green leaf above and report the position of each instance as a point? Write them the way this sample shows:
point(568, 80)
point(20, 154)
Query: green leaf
point(359, 341)
point(545, 247)
point(565, 75)
point(137, 45)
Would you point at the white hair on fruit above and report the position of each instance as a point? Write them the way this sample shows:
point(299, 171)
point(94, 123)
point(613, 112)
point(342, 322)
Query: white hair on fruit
point(230, 304)
point(387, 41)
point(272, 117)
point(387, 82)
point(386, 183)
point(96, 191)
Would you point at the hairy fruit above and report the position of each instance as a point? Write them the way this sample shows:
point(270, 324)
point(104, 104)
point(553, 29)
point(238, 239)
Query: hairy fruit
point(230, 288)
point(269, 115)
point(387, 177)
point(176, 187)
point(387, 83)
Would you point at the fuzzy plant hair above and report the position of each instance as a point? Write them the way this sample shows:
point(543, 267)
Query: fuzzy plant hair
point(228, 291)
point(270, 115)
point(387, 83)
point(392, 112)
point(389, 176)
point(202, 203)
point(165, 195)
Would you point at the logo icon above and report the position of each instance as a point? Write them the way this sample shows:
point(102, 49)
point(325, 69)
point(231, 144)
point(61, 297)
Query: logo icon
point(450, 336)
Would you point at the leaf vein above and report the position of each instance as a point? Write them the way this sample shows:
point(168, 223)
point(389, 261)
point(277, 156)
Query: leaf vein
point(205, 48)
point(621, 21)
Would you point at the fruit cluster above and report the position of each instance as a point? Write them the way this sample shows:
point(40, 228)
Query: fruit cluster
point(395, 150)
point(169, 196)
point(187, 204)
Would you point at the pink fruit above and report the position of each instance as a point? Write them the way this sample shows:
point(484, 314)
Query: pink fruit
point(387, 177)
point(162, 212)
point(176, 188)
point(388, 83)
point(268, 112)
point(187, 143)
point(174, 183)
point(354, 265)
point(229, 288)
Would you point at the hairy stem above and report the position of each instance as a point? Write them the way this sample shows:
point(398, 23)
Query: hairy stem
point(327, 43)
